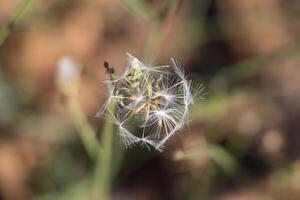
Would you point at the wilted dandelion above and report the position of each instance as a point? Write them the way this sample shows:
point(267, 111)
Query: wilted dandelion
point(151, 103)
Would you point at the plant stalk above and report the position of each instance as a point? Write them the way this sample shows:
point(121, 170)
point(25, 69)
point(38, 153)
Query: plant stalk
point(6, 30)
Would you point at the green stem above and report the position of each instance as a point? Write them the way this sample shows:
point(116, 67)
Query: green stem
point(5, 31)
point(85, 131)
point(103, 170)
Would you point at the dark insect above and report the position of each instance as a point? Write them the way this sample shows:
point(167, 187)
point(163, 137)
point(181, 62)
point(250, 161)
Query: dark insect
point(108, 69)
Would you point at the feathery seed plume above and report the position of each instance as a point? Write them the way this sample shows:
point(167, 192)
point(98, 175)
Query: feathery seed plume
point(151, 102)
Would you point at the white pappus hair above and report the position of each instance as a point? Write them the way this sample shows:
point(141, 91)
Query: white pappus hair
point(152, 103)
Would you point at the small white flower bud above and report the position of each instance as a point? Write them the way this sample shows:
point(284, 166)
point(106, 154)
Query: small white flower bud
point(67, 71)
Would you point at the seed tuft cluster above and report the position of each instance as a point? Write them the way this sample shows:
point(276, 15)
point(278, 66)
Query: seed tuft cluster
point(150, 103)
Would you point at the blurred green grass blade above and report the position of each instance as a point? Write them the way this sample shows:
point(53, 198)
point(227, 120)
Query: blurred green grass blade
point(256, 65)
point(218, 154)
point(5, 31)
point(78, 191)
point(223, 159)
point(210, 110)
point(141, 8)
point(167, 5)
point(21, 11)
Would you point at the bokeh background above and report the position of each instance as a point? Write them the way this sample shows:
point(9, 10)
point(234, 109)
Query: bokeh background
point(242, 143)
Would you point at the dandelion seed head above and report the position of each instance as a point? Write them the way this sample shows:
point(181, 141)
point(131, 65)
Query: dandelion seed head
point(151, 102)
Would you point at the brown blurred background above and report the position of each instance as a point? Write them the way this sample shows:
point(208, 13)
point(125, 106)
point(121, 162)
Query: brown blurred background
point(243, 142)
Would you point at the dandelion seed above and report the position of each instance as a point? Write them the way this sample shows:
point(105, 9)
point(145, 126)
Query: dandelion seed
point(151, 102)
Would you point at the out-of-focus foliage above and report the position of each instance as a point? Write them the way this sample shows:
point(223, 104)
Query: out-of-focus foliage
point(242, 142)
